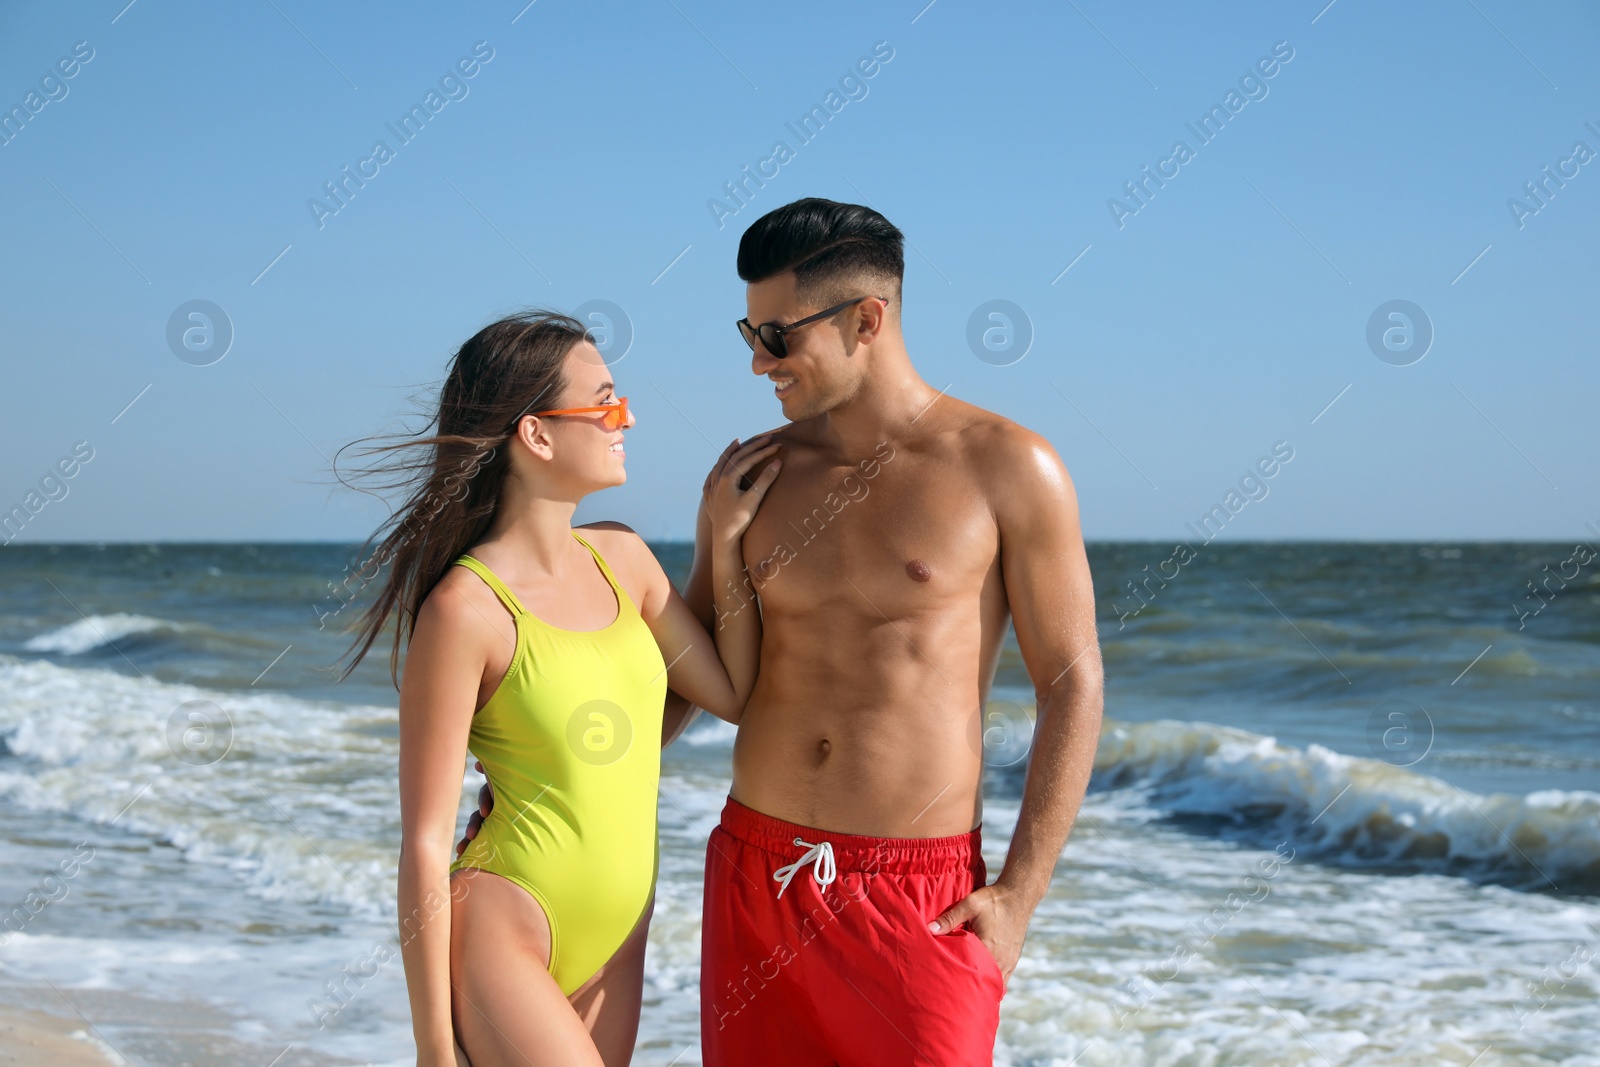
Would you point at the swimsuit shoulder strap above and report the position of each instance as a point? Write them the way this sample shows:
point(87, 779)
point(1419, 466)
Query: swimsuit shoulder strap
point(616, 586)
point(507, 597)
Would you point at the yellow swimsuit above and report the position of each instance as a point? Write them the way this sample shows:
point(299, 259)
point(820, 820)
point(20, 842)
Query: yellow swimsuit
point(571, 743)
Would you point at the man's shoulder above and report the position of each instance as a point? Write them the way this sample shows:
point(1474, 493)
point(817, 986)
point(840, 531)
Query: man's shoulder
point(790, 433)
point(799, 438)
point(997, 445)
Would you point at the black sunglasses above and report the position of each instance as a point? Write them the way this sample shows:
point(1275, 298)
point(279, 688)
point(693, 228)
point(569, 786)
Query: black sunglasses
point(770, 334)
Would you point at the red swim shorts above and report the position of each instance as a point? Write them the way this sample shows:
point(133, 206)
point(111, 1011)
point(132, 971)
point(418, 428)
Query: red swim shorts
point(815, 949)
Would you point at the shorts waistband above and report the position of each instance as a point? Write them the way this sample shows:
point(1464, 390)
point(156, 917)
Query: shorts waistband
point(855, 852)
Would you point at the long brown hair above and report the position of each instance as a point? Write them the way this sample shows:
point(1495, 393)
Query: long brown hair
point(451, 477)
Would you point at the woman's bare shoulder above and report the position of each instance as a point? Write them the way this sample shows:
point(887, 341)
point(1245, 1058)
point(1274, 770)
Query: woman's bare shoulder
point(626, 553)
point(614, 535)
point(459, 610)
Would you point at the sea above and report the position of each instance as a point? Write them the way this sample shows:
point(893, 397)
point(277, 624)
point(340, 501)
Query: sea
point(1345, 810)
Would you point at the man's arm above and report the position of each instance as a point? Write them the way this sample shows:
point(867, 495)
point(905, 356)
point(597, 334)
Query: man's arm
point(1051, 595)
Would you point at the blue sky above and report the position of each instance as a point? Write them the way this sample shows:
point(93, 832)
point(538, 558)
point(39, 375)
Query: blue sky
point(1174, 341)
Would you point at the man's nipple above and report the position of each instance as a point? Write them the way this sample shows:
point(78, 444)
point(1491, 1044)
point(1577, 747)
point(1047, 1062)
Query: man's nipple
point(919, 571)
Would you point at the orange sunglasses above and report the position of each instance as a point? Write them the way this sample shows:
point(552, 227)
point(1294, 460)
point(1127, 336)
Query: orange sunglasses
point(616, 415)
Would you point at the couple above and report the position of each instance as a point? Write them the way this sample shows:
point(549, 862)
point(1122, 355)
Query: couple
point(847, 915)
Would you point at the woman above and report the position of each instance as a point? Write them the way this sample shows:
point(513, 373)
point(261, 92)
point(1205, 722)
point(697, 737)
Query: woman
point(548, 652)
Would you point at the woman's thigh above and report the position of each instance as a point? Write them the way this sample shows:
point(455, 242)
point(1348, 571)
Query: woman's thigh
point(508, 1010)
point(609, 1002)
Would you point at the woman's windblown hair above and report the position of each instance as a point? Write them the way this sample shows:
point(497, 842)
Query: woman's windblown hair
point(450, 474)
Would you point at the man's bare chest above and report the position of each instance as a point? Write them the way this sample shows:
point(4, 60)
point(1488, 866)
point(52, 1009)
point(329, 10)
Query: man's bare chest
point(893, 528)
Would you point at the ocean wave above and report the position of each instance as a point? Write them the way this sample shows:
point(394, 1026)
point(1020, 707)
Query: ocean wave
point(96, 631)
point(299, 797)
point(1350, 811)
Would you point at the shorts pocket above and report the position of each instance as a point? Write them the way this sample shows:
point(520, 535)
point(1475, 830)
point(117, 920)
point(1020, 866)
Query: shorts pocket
point(985, 960)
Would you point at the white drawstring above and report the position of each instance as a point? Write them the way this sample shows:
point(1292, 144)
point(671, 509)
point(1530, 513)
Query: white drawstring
point(821, 858)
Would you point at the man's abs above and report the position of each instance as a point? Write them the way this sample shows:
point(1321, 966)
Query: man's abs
point(880, 745)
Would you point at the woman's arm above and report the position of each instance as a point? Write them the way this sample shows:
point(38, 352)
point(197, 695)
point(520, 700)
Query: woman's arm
point(680, 713)
point(676, 717)
point(716, 674)
point(438, 693)
point(738, 612)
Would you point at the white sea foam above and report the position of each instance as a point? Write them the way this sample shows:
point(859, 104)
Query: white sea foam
point(1417, 970)
point(297, 771)
point(298, 796)
point(263, 993)
point(95, 631)
point(1159, 946)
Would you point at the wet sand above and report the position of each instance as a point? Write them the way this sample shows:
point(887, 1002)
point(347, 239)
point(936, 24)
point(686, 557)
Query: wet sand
point(128, 1028)
point(32, 1037)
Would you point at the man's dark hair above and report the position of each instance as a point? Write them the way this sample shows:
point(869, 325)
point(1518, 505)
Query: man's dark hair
point(835, 250)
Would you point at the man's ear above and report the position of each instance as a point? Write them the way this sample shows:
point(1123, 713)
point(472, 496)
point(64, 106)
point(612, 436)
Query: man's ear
point(870, 323)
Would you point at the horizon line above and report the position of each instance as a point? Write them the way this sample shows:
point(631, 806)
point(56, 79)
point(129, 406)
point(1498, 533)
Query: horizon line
point(275, 542)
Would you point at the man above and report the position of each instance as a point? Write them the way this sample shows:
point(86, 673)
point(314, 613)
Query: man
point(847, 919)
